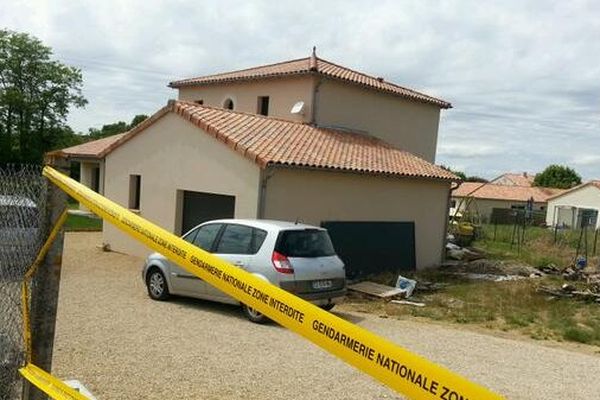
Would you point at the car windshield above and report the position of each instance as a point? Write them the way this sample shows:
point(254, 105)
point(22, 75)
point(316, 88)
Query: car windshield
point(305, 243)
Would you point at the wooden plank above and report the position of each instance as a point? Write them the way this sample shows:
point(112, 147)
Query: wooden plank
point(376, 289)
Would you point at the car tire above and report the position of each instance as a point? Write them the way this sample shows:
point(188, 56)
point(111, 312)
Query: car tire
point(157, 285)
point(254, 315)
point(328, 307)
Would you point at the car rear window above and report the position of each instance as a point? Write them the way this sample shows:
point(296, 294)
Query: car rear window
point(304, 243)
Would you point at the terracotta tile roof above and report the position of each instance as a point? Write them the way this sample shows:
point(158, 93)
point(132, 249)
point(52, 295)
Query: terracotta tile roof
point(312, 65)
point(515, 179)
point(90, 149)
point(271, 141)
point(493, 191)
point(594, 183)
point(99, 148)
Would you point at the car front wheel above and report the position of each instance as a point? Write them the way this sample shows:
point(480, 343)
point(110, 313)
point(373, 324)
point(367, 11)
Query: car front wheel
point(253, 315)
point(157, 285)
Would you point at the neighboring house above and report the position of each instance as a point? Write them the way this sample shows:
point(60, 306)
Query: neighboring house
point(511, 179)
point(575, 207)
point(482, 198)
point(305, 140)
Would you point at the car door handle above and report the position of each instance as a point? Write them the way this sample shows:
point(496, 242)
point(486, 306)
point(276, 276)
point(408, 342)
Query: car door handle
point(238, 263)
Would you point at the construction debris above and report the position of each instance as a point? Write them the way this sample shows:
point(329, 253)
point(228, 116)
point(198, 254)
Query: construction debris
point(376, 290)
point(570, 291)
point(408, 285)
point(430, 286)
point(456, 252)
point(408, 303)
point(550, 269)
point(493, 267)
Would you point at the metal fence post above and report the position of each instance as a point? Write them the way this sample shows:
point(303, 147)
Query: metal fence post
point(45, 288)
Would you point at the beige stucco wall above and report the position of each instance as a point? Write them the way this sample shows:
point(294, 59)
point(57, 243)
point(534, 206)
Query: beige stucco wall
point(485, 206)
point(170, 155)
point(283, 94)
point(585, 197)
point(409, 125)
point(316, 196)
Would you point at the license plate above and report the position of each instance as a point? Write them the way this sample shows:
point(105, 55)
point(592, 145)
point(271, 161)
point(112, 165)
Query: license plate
point(322, 284)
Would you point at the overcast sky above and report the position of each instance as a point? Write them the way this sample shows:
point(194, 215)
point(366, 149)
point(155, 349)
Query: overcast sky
point(523, 76)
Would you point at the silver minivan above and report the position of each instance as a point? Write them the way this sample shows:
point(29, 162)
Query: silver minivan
point(296, 257)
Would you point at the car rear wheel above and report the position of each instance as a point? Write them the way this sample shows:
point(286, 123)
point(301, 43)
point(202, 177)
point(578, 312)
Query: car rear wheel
point(157, 285)
point(328, 307)
point(253, 315)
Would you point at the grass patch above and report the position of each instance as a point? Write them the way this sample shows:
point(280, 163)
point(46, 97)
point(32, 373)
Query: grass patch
point(76, 223)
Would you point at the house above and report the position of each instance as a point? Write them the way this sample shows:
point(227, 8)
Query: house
point(575, 207)
point(482, 198)
point(303, 140)
point(512, 179)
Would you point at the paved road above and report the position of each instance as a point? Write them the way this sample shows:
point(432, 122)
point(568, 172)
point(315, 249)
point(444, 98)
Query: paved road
point(122, 345)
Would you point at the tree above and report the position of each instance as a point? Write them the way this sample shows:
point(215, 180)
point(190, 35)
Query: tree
point(115, 128)
point(36, 93)
point(557, 176)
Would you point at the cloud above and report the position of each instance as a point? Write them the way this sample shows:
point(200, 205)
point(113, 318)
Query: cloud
point(467, 150)
point(592, 160)
point(523, 76)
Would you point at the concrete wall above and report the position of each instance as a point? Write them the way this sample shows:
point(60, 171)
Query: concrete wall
point(584, 197)
point(485, 206)
point(171, 155)
point(409, 125)
point(316, 196)
point(283, 94)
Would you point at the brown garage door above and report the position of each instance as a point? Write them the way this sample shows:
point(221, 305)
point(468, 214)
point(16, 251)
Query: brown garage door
point(200, 207)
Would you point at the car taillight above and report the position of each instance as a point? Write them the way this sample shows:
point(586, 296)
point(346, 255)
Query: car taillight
point(281, 263)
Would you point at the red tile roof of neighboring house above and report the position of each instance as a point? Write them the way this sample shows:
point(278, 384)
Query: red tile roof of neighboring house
point(594, 183)
point(492, 191)
point(516, 179)
point(271, 141)
point(312, 65)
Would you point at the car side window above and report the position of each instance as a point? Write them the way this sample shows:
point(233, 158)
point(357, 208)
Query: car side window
point(190, 236)
point(206, 236)
point(236, 239)
point(258, 237)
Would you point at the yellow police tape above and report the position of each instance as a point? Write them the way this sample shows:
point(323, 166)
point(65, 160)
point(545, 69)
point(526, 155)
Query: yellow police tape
point(49, 384)
point(28, 275)
point(396, 367)
point(42, 253)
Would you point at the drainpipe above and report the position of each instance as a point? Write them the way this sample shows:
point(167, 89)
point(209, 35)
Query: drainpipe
point(313, 110)
point(265, 175)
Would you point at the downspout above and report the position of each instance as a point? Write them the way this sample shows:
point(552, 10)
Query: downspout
point(313, 67)
point(265, 175)
point(315, 94)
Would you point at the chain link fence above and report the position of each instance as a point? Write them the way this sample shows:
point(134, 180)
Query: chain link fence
point(22, 233)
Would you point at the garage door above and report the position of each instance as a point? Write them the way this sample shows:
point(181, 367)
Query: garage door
point(373, 247)
point(200, 207)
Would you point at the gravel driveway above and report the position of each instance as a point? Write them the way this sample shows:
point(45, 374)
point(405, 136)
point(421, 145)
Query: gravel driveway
point(122, 345)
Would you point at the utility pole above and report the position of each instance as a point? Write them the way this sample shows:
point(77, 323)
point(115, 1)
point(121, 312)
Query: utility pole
point(45, 287)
